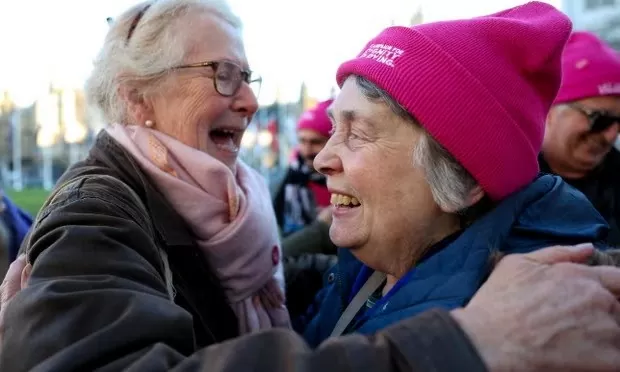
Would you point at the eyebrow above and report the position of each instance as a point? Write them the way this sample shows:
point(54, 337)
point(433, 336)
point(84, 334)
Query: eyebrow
point(351, 116)
point(348, 115)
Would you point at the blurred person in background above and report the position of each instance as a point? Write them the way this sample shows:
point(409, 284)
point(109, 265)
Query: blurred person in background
point(583, 126)
point(303, 210)
point(442, 166)
point(303, 194)
point(161, 214)
point(308, 254)
point(14, 225)
point(5, 238)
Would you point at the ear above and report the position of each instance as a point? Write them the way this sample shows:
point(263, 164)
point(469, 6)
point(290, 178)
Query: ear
point(552, 116)
point(139, 108)
point(475, 195)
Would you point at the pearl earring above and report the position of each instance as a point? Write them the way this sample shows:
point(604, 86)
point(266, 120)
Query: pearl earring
point(149, 123)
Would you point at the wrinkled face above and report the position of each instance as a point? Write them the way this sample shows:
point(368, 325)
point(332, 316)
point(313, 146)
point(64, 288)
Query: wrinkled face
point(385, 210)
point(310, 143)
point(569, 140)
point(187, 105)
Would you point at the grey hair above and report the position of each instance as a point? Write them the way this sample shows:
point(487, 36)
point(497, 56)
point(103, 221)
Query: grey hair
point(156, 46)
point(450, 183)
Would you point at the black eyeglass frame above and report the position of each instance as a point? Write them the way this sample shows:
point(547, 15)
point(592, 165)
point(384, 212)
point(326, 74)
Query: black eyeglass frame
point(244, 75)
point(599, 120)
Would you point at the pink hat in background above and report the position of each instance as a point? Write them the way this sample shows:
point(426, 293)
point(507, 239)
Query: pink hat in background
point(481, 87)
point(590, 68)
point(316, 119)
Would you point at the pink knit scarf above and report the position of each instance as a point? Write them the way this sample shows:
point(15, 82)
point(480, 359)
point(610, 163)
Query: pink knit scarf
point(230, 215)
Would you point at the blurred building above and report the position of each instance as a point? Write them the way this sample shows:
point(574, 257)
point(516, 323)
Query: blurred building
point(39, 142)
point(599, 16)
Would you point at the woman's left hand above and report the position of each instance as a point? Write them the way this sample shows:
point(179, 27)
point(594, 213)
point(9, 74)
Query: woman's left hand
point(15, 279)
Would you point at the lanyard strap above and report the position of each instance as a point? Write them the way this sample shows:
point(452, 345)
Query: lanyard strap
point(371, 285)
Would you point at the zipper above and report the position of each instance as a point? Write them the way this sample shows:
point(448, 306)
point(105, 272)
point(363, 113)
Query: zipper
point(340, 292)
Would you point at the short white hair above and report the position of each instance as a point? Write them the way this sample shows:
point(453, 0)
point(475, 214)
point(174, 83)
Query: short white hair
point(156, 45)
point(450, 183)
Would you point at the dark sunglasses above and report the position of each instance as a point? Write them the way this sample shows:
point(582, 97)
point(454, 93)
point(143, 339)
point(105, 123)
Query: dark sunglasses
point(599, 120)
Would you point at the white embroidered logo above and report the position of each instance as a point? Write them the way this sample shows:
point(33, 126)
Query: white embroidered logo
point(581, 63)
point(383, 53)
point(308, 115)
point(609, 88)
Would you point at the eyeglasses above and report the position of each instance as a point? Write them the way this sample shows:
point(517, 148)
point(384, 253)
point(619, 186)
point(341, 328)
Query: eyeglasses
point(599, 120)
point(228, 77)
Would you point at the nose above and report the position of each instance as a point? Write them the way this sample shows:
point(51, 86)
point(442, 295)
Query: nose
point(245, 101)
point(327, 160)
point(611, 133)
point(304, 148)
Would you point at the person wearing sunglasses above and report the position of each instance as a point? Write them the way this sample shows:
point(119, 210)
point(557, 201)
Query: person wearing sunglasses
point(583, 125)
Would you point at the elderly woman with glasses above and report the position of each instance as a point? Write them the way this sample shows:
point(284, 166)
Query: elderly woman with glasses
point(162, 209)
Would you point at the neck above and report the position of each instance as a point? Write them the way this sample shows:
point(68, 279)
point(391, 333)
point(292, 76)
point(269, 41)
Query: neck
point(562, 169)
point(450, 226)
point(390, 281)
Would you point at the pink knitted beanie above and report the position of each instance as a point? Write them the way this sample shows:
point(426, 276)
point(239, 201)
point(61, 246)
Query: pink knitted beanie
point(590, 68)
point(481, 87)
point(316, 119)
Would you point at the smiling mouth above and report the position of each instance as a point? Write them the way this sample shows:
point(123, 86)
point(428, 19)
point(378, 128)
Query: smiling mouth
point(344, 201)
point(226, 139)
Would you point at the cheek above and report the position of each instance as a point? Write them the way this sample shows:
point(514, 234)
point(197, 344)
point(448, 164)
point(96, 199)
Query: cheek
point(410, 192)
point(197, 112)
point(385, 183)
point(401, 196)
point(577, 129)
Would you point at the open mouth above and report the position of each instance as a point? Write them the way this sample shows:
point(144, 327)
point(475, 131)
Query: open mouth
point(344, 201)
point(226, 139)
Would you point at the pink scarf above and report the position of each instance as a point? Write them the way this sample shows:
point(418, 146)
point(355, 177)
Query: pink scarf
point(231, 218)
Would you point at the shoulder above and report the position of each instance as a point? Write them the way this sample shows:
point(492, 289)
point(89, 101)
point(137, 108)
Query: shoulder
point(89, 207)
point(104, 191)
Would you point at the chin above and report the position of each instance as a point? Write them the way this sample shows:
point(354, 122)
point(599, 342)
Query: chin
point(343, 238)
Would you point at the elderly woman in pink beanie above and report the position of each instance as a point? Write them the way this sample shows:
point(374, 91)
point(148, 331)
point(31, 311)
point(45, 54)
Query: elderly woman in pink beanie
point(433, 166)
point(583, 126)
